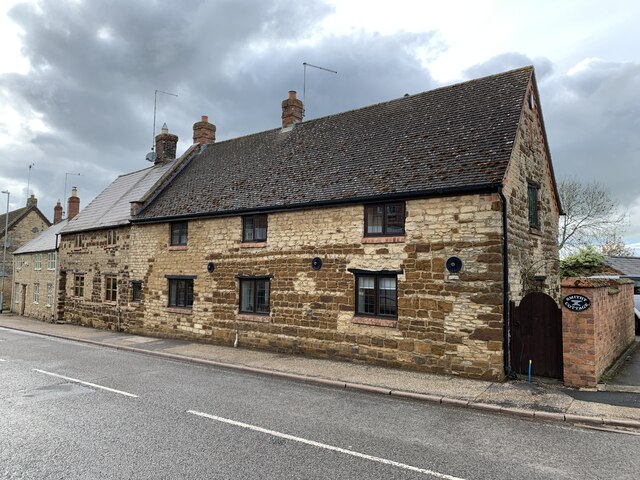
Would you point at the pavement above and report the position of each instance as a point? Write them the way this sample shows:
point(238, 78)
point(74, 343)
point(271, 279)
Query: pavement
point(541, 399)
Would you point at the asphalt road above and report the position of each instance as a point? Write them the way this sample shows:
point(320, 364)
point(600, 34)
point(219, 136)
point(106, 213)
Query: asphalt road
point(69, 410)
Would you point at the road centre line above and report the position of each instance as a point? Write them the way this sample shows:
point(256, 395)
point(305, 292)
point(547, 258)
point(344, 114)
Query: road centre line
point(324, 446)
point(89, 384)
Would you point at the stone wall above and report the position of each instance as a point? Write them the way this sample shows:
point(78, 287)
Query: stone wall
point(94, 259)
point(532, 251)
point(18, 235)
point(25, 277)
point(446, 323)
point(594, 338)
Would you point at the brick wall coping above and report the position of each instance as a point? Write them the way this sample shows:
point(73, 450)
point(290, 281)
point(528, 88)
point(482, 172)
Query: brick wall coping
point(582, 282)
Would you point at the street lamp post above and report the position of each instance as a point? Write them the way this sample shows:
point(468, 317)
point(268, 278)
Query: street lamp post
point(4, 251)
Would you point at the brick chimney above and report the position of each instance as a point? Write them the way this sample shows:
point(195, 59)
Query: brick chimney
point(57, 213)
point(73, 206)
point(166, 144)
point(292, 109)
point(32, 201)
point(203, 131)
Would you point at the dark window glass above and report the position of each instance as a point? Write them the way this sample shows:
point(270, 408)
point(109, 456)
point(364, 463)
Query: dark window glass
point(111, 290)
point(78, 286)
point(254, 228)
point(181, 292)
point(254, 295)
point(179, 233)
point(377, 295)
point(136, 288)
point(384, 219)
point(534, 217)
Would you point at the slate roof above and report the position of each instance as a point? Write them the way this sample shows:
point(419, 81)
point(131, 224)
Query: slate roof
point(625, 265)
point(112, 207)
point(452, 139)
point(44, 242)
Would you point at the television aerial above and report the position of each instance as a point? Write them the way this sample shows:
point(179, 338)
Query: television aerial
point(152, 155)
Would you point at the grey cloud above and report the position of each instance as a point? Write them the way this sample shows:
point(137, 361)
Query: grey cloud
point(509, 61)
point(233, 61)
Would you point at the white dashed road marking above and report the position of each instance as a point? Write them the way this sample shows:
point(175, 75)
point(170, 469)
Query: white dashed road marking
point(75, 380)
point(325, 446)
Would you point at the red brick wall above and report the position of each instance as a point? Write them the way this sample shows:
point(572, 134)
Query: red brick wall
point(594, 338)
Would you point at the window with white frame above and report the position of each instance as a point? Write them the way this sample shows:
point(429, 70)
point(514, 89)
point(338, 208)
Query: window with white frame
point(37, 264)
point(51, 261)
point(49, 294)
point(36, 293)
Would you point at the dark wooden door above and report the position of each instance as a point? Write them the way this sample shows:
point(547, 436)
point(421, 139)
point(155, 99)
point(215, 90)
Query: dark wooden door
point(536, 335)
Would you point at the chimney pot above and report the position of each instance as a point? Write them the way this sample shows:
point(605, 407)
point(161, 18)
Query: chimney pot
point(292, 110)
point(57, 212)
point(73, 204)
point(166, 145)
point(203, 131)
point(32, 201)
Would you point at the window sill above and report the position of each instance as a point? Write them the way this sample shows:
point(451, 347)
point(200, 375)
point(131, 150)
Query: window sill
point(374, 321)
point(253, 244)
point(109, 302)
point(178, 247)
point(390, 239)
point(253, 317)
point(535, 230)
point(182, 310)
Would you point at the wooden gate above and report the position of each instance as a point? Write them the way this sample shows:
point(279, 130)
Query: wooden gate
point(536, 335)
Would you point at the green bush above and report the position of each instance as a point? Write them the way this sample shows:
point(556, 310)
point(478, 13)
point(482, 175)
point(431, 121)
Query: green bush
point(583, 264)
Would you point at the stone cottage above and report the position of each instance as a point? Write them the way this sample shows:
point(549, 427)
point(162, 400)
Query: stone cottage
point(395, 234)
point(36, 267)
point(95, 246)
point(23, 224)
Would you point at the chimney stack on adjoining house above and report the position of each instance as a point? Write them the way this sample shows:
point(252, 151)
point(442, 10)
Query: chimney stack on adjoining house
point(166, 144)
point(32, 201)
point(57, 213)
point(73, 205)
point(292, 109)
point(203, 131)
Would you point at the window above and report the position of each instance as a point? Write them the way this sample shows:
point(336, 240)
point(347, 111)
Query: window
point(78, 286)
point(36, 293)
point(179, 233)
point(49, 294)
point(111, 288)
point(37, 264)
point(51, 261)
point(79, 240)
point(111, 237)
point(384, 219)
point(254, 295)
point(136, 295)
point(534, 217)
point(181, 292)
point(254, 228)
point(530, 100)
point(376, 295)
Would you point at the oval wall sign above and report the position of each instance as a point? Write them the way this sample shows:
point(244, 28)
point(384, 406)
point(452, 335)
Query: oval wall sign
point(576, 303)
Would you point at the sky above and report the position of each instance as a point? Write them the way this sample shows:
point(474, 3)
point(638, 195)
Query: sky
point(77, 78)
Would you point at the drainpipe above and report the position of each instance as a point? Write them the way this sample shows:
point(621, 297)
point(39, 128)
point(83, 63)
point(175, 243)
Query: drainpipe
point(505, 284)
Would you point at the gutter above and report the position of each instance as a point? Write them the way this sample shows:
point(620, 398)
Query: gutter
point(505, 284)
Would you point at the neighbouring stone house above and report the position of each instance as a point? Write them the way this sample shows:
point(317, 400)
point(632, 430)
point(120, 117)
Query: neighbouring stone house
point(36, 267)
point(395, 234)
point(95, 246)
point(23, 224)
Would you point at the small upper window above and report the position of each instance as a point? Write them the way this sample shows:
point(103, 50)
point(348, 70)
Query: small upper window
point(179, 233)
point(51, 261)
point(79, 240)
point(37, 264)
point(111, 290)
point(530, 101)
point(254, 228)
point(377, 295)
point(534, 214)
point(384, 219)
point(111, 237)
